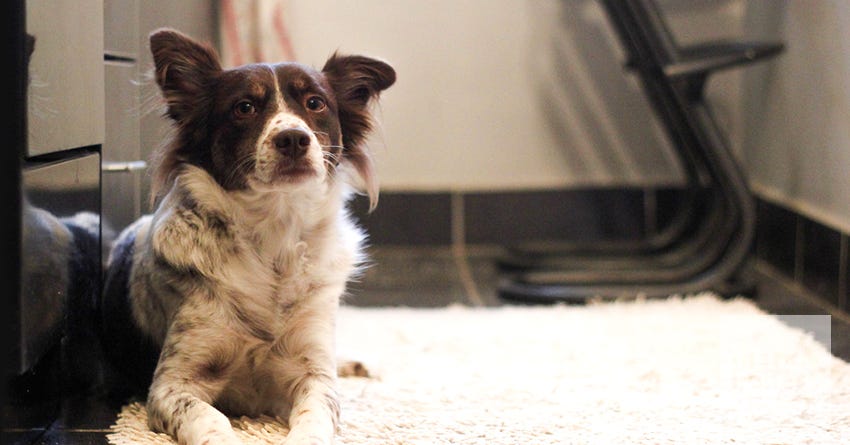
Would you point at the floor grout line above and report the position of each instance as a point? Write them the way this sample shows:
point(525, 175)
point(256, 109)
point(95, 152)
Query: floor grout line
point(459, 250)
point(799, 250)
point(842, 272)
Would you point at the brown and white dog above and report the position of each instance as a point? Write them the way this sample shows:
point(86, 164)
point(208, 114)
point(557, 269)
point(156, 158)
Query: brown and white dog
point(225, 298)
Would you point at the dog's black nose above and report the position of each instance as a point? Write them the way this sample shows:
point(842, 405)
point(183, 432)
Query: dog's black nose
point(292, 143)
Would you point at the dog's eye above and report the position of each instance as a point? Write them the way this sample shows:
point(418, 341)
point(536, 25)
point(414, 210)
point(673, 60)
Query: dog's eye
point(315, 103)
point(244, 108)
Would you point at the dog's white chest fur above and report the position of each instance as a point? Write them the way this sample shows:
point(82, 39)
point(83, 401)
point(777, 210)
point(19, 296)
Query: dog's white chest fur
point(253, 284)
point(257, 254)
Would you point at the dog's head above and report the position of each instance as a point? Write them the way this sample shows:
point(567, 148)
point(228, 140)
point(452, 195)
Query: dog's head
point(264, 126)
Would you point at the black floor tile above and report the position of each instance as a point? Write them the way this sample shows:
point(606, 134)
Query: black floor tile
point(486, 274)
point(779, 295)
point(425, 277)
point(776, 236)
point(821, 255)
point(30, 415)
point(844, 278)
point(21, 437)
point(841, 339)
point(82, 419)
point(86, 412)
point(65, 437)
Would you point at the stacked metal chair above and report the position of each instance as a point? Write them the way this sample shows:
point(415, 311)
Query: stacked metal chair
point(707, 243)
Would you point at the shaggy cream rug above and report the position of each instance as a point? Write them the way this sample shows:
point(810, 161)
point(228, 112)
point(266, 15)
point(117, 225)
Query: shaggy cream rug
point(696, 370)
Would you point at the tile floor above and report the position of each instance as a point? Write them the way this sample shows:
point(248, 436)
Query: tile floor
point(422, 277)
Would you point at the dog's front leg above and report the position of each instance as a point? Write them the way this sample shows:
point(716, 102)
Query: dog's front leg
point(307, 367)
point(315, 409)
point(192, 371)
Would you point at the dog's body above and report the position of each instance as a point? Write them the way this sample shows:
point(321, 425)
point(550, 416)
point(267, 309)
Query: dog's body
point(233, 283)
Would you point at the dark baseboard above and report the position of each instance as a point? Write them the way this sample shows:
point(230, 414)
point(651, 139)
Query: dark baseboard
point(419, 219)
point(805, 251)
point(414, 219)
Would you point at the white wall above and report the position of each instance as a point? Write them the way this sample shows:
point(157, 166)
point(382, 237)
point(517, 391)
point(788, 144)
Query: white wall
point(508, 94)
point(518, 94)
point(797, 110)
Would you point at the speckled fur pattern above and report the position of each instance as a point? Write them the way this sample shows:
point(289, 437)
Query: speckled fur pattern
point(237, 276)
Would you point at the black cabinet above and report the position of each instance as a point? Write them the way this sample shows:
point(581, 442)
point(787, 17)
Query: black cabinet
point(56, 195)
point(74, 176)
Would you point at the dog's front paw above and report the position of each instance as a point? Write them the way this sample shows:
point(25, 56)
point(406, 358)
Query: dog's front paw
point(299, 438)
point(351, 368)
point(220, 438)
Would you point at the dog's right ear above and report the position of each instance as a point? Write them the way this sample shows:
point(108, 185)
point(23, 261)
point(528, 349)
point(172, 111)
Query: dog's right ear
point(183, 69)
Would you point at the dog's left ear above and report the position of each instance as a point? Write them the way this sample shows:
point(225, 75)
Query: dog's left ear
point(357, 81)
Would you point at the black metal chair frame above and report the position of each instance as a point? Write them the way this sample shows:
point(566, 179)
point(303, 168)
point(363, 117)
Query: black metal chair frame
point(709, 240)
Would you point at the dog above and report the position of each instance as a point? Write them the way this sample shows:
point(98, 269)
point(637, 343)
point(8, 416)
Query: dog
point(224, 298)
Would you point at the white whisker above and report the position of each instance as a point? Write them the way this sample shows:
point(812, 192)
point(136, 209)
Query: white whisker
point(242, 165)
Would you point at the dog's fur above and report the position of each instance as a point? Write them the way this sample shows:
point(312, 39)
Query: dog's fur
point(232, 285)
